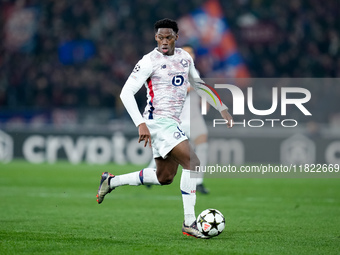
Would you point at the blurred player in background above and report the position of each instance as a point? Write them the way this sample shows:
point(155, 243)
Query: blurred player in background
point(165, 71)
point(191, 114)
point(198, 134)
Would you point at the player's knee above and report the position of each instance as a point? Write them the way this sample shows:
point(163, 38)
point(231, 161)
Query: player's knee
point(194, 161)
point(191, 163)
point(166, 179)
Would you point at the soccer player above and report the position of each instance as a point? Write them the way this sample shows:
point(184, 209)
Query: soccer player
point(165, 71)
point(199, 133)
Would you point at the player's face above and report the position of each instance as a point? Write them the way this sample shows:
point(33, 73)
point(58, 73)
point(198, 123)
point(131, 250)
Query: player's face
point(166, 39)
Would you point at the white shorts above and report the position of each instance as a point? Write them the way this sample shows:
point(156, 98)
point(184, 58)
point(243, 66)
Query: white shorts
point(165, 135)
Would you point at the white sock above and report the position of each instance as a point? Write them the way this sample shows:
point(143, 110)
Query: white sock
point(148, 176)
point(145, 176)
point(188, 189)
point(202, 153)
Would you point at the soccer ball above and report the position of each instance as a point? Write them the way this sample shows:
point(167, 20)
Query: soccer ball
point(210, 222)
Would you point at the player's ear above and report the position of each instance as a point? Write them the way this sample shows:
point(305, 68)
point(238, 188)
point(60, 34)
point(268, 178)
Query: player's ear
point(176, 37)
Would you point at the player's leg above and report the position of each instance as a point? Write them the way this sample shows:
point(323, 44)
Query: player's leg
point(109, 181)
point(152, 164)
point(184, 155)
point(145, 176)
point(166, 170)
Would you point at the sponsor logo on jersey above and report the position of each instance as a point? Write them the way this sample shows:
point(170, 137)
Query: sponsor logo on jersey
point(177, 73)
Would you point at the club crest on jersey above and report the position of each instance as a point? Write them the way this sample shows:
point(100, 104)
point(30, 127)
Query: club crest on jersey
point(184, 63)
point(163, 66)
point(136, 69)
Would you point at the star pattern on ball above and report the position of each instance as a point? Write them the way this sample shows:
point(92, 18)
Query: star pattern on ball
point(213, 212)
point(201, 219)
point(214, 224)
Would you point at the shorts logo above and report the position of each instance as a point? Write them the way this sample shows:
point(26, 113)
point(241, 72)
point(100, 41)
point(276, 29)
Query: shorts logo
point(136, 69)
point(177, 135)
point(184, 63)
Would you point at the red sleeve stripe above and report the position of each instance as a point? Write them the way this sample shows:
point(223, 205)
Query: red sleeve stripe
point(214, 91)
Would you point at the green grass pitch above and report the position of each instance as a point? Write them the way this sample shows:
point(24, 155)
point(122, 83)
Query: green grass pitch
point(52, 209)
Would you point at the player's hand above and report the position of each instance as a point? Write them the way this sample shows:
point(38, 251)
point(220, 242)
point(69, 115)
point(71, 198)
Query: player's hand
point(226, 115)
point(144, 134)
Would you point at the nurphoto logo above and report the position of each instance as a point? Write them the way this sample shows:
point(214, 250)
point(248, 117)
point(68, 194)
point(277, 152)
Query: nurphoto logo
point(239, 103)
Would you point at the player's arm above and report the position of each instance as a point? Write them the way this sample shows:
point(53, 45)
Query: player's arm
point(208, 92)
point(133, 84)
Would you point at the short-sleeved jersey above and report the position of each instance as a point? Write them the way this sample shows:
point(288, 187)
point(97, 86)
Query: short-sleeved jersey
point(166, 83)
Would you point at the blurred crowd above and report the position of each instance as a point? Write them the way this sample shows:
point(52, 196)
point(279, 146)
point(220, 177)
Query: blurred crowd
point(33, 74)
point(306, 41)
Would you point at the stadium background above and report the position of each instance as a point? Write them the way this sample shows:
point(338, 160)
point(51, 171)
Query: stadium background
point(62, 66)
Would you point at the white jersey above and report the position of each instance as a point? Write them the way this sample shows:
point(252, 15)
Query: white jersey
point(167, 86)
point(166, 79)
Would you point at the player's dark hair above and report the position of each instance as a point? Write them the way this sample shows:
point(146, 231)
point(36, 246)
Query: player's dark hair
point(166, 23)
